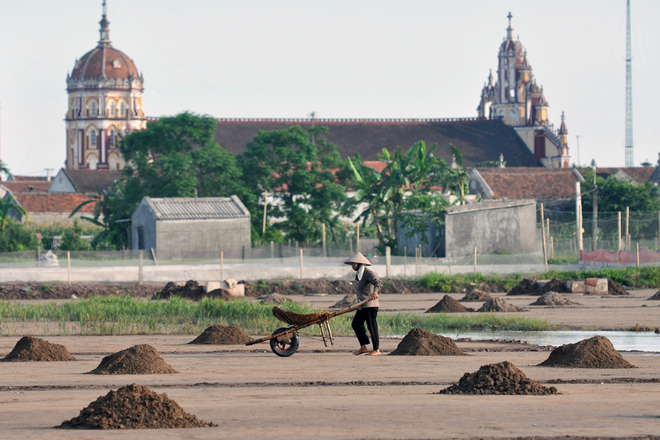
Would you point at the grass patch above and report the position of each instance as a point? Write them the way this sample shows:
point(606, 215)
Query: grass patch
point(130, 315)
point(643, 277)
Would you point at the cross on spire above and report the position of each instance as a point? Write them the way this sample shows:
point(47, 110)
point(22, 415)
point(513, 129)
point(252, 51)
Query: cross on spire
point(105, 28)
point(509, 30)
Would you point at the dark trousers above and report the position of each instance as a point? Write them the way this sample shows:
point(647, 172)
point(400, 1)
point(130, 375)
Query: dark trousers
point(368, 315)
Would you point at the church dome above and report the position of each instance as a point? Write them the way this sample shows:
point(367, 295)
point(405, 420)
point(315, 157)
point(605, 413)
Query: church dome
point(104, 63)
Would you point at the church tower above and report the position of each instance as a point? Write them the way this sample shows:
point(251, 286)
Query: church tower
point(105, 102)
point(520, 102)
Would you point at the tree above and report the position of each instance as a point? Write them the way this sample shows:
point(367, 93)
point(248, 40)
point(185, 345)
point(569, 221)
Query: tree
point(409, 181)
point(8, 204)
point(174, 157)
point(615, 195)
point(295, 168)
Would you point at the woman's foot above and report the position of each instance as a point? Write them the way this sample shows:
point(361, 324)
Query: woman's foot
point(374, 353)
point(362, 350)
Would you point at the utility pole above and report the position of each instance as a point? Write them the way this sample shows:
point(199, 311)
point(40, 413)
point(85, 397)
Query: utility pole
point(594, 231)
point(629, 116)
point(578, 149)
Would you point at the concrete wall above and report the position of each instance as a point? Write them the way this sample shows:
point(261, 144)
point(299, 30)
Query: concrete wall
point(197, 238)
point(144, 217)
point(493, 227)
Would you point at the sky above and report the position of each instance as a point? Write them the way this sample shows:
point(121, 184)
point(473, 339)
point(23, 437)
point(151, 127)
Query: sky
point(339, 59)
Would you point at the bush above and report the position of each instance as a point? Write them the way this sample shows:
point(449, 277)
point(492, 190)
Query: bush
point(16, 237)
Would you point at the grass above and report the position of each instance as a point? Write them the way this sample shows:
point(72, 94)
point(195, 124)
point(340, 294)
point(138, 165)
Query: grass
point(643, 277)
point(130, 315)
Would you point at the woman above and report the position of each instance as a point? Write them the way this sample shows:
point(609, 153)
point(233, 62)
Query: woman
point(367, 286)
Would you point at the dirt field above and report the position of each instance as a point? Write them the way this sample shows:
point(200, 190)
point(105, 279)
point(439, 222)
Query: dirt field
point(330, 394)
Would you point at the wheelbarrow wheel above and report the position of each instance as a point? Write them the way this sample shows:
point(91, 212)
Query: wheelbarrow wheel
point(284, 348)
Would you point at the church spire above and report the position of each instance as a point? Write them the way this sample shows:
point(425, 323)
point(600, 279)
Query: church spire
point(509, 30)
point(105, 29)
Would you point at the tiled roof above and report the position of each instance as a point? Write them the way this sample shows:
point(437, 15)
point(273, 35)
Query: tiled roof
point(203, 208)
point(30, 178)
point(56, 203)
point(530, 183)
point(639, 174)
point(88, 181)
point(478, 140)
point(23, 186)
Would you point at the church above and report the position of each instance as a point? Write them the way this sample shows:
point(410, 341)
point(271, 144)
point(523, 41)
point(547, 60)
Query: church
point(511, 126)
point(105, 102)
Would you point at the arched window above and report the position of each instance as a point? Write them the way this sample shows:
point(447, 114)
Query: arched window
point(92, 138)
point(113, 137)
point(92, 108)
point(113, 109)
point(122, 108)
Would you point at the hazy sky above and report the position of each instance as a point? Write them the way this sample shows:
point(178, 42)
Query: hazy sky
point(341, 59)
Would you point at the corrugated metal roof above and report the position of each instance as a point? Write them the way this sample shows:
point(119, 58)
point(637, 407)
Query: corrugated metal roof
point(205, 208)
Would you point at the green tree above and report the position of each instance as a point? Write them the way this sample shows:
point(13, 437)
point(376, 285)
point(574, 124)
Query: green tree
point(71, 240)
point(16, 237)
point(293, 169)
point(615, 195)
point(7, 206)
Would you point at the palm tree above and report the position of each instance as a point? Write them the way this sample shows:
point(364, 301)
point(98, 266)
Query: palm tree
point(8, 204)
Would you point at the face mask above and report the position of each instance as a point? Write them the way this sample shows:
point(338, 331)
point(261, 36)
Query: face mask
point(360, 272)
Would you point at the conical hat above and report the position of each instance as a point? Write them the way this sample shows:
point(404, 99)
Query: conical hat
point(359, 259)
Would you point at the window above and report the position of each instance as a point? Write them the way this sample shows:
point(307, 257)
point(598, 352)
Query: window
point(92, 138)
point(122, 108)
point(113, 108)
point(113, 137)
point(140, 237)
point(92, 108)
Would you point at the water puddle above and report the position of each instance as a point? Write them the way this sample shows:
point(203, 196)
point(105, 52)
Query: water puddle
point(622, 340)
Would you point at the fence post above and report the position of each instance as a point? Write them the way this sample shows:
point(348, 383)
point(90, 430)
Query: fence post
point(272, 249)
point(281, 254)
point(38, 256)
point(140, 273)
point(243, 254)
point(619, 216)
point(222, 265)
point(388, 261)
point(637, 254)
point(301, 264)
point(552, 246)
point(475, 261)
point(153, 255)
point(405, 253)
point(68, 265)
point(323, 230)
point(545, 252)
point(627, 228)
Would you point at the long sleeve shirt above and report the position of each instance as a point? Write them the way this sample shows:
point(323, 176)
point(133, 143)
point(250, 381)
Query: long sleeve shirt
point(365, 287)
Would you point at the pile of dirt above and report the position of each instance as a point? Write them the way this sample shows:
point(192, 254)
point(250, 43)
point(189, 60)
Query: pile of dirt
point(596, 352)
point(222, 335)
point(553, 299)
point(476, 295)
point(139, 359)
point(526, 287)
point(134, 407)
point(554, 285)
point(420, 342)
point(273, 298)
point(448, 305)
point(499, 305)
point(614, 288)
point(502, 378)
point(33, 349)
point(346, 302)
point(655, 297)
point(66, 291)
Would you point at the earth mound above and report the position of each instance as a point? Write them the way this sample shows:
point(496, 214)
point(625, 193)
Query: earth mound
point(553, 299)
point(139, 359)
point(526, 287)
point(614, 288)
point(655, 297)
point(134, 407)
point(502, 378)
point(596, 352)
point(476, 295)
point(273, 298)
point(499, 305)
point(448, 305)
point(346, 302)
point(554, 285)
point(420, 342)
point(222, 335)
point(33, 349)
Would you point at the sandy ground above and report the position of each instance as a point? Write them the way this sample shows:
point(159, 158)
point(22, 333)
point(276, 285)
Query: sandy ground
point(331, 394)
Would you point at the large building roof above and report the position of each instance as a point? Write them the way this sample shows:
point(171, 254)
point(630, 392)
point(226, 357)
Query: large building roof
point(104, 63)
point(526, 183)
point(202, 208)
point(86, 181)
point(43, 203)
point(478, 140)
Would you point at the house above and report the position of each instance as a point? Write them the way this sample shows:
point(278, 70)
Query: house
point(83, 181)
point(49, 208)
point(177, 228)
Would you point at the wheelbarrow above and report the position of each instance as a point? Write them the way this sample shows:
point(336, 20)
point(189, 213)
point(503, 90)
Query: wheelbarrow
point(284, 341)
